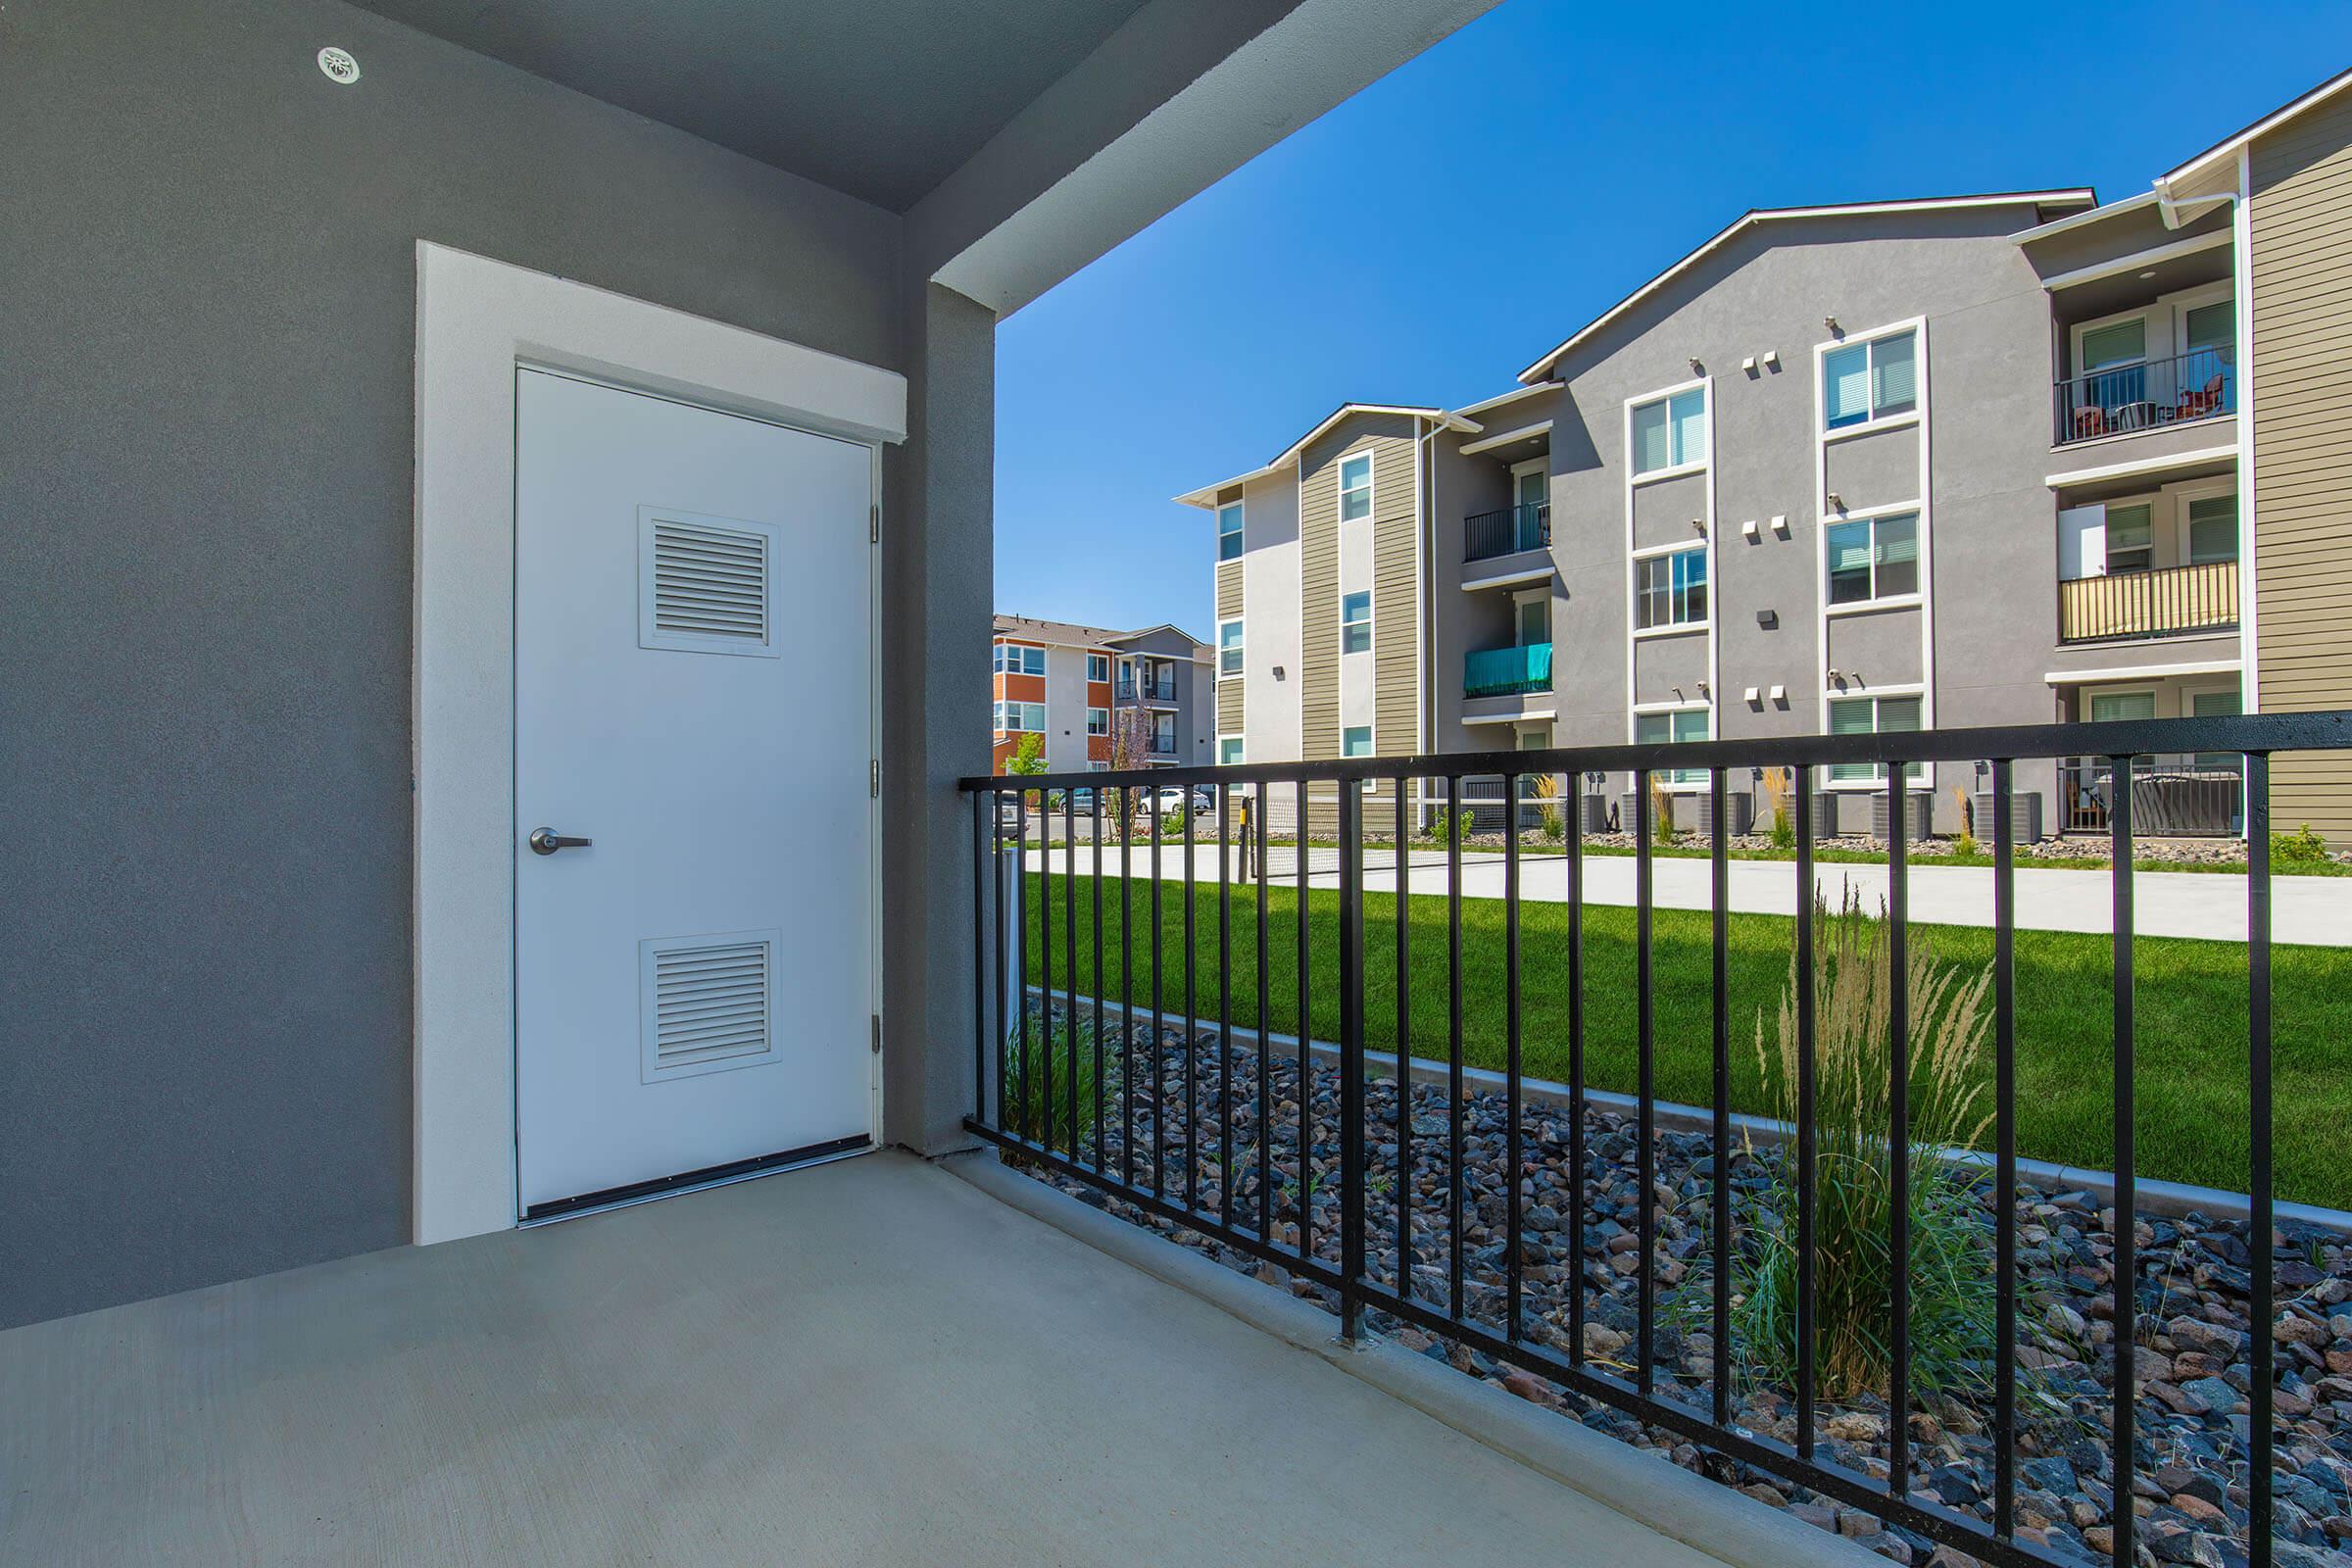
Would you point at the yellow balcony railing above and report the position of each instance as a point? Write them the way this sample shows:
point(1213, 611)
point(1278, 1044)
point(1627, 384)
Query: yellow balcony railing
point(2171, 602)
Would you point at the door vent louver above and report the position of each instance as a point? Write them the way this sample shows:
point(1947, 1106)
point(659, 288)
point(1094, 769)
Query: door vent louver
point(708, 1003)
point(706, 584)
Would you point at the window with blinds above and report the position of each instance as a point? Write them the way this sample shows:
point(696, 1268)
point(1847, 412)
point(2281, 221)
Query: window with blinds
point(1669, 432)
point(2130, 538)
point(1674, 728)
point(1873, 558)
point(1873, 380)
point(1671, 590)
point(2116, 343)
point(1872, 715)
point(2212, 529)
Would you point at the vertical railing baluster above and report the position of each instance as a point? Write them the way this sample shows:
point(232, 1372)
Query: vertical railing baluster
point(1126, 986)
point(1225, 1004)
point(1453, 1042)
point(1513, 1206)
point(2263, 1317)
point(1898, 1130)
point(1021, 880)
point(1645, 1075)
point(1157, 1053)
point(982, 805)
point(1095, 838)
point(1571, 791)
point(1351, 1058)
point(1307, 1073)
point(1261, 793)
point(2004, 1186)
point(1807, 993)
point(1719, 856)
point(1405, 1054)
point(2127, 1259)
point(1045, 953)
point(1192, 1010)
point(1070, 938)
point(995, 830)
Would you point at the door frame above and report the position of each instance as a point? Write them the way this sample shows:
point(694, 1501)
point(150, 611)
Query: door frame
point(477, 320)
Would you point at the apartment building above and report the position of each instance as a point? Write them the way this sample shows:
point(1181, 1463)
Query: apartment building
point(1082, 687)
point(2007, 457)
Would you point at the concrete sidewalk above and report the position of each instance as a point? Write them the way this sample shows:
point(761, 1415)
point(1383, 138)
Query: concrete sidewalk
point(2305, 910)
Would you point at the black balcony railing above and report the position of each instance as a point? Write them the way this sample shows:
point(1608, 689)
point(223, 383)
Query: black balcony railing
point(1526, 527)
point(2190, 601)
point(2200, 385)
point(2196, 795)
point(1142, 1062)
point(1148, 691)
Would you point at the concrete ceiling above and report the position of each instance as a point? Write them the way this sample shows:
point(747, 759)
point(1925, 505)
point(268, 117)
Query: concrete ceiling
point(881, 99)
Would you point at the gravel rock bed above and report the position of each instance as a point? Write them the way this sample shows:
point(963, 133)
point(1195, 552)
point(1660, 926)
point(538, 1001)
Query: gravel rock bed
point(2187, 1483)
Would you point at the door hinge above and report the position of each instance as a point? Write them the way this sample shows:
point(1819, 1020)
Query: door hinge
point(877, 1021)
point(874, 524)
point(873, 778)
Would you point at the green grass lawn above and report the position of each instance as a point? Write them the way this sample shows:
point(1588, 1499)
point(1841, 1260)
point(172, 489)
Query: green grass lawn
point(2190, 1000)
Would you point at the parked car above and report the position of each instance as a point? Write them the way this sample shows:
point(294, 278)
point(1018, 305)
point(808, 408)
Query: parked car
point(1172, 798)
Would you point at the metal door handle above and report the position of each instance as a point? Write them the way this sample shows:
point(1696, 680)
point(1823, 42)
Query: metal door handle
point(547, 840)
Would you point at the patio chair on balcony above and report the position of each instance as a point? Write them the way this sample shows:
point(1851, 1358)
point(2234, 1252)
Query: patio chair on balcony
point(2203, 402)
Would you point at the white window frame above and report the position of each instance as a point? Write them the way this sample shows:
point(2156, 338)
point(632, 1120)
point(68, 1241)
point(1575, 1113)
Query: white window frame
point(1371, 741)
point(2206, 490)
point(1673, 628)
point(1672, 779)
point(1092, 660)
point(1224, 741)
point(1365, 594)
point(1239, 531)
point(1874, 516)
point(1239, 649)
point(1916, 774)
point(1865, 340)
point(1675, 466)
point(1370, 486)
point(1091, 730)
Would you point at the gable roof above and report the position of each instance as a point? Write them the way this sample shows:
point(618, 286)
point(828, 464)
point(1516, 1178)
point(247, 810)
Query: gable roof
point(1070, 634)
point(1754, 217)
point(2169, 181)
point(1206, 496)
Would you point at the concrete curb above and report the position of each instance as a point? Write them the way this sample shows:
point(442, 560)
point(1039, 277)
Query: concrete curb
point(1733, 1528)
point(2173, 1199)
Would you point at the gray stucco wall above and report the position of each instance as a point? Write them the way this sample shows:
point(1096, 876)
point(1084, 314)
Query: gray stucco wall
point(1995, 528)
point(205, 536)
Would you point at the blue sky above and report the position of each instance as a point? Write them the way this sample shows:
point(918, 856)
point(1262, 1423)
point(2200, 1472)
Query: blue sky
point(1429, 238)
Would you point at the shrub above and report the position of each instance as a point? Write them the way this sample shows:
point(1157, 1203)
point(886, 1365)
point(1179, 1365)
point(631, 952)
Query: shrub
point(2302, 847)
point(1964, 843)
point(1548, 812)
point(1441, 823)
point(1952, 1282)
point(1661, 812)
point(1068, 1047)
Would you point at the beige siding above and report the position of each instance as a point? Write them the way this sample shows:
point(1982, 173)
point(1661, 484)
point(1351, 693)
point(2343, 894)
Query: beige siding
point(2300, 220)
point(1229, 604)
point(1319, 603)
point(1396, 600)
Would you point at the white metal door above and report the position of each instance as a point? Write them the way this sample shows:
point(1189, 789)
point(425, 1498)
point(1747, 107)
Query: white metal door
point(692, 696)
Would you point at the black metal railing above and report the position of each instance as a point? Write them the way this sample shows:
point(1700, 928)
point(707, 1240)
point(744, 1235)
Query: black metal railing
point(1525, 526)
point(1148, 691)
point(2191, 601)
point(2199, 795)
point(1140, 1066)
point(2201, 384)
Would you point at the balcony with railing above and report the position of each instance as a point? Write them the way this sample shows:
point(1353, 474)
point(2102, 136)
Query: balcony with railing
point(1878, 1268)
point(1163, 690)
point(2147, 395)
point(1507, 671)
point(1489, 534)
point(2191, 601)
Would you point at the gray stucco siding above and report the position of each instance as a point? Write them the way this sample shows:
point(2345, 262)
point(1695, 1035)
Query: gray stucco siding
point(207, 474)
point(1878, 469)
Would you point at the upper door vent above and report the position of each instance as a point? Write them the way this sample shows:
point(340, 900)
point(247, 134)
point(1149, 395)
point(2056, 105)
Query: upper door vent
point(706, 584)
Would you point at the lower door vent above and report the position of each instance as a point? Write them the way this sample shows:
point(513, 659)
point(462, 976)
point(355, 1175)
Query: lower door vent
point(708, 1003)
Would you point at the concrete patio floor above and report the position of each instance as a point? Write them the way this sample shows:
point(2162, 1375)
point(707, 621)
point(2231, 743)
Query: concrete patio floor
point(869, 1362)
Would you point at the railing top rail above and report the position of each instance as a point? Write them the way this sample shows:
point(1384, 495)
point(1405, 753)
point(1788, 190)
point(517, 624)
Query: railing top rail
point(2262, 734)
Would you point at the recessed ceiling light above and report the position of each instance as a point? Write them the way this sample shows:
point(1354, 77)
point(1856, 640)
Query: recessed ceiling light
point(2150, 272)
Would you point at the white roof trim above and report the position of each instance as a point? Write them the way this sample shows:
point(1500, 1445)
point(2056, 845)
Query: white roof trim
point(2110, 677)
point(1512, 396)
point(2078, 195)
point(2141, 465)
point(1490, 443)
point(2229, 147)
point(1195, 498)
point(2096, 215)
